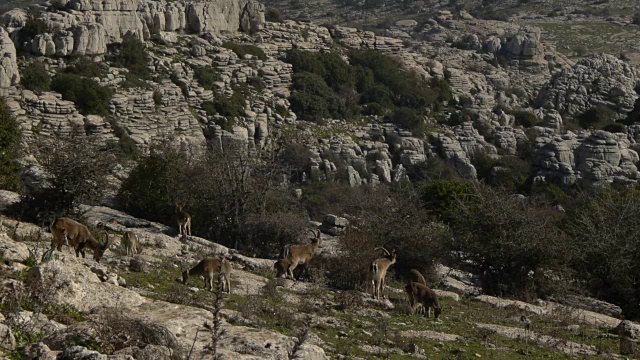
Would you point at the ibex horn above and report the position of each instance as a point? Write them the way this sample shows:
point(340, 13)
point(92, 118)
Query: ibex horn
point(383, 249)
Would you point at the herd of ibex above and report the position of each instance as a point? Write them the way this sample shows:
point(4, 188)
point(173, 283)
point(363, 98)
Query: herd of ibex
point(72, 233)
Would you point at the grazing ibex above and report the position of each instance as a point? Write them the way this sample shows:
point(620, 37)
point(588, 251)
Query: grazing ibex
point(208, 268)
point(184, 220)
point(420, 294)
point(131, 244)
point(301, 254)
point(71, 232)
point(378, 271)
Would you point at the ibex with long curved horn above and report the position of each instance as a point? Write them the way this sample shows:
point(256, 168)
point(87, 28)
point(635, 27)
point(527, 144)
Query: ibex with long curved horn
point(378, 271)
point(300, 254)
point(70, 232)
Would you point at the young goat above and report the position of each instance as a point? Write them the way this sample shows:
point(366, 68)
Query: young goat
point(378, 271)
point(70, 232)
point(420, 294)
point(184, 221)
point(300, 254)
point(415, 276)
point(131, 244)
point(208, 268)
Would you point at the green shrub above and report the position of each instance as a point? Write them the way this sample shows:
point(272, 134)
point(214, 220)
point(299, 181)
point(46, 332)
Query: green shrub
point(88, 95)
point(516, 250)
point(526, 119)
point(615, 128)
point(87, 68)
point(131, 80)
point(207, 76)
point(273, 15)
point(10, 136)
point(228, 107)
point(245, 49)
point(605, 227)
point(597, 117)
point(133, 56)
point(408, 118)
point(440, 196)
point(35, 77)
point(312, 99)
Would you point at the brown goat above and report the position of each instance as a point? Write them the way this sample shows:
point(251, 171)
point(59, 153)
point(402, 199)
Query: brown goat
point(184, 221)
point(378, 271)
point(420, 294)
point(415, 276)
point(301, 254)
point(207, 268)
point(70, 232)
point(282, 265)
point(131, 243)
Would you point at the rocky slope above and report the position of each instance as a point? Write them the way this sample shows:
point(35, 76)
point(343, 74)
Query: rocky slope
point(265, 317)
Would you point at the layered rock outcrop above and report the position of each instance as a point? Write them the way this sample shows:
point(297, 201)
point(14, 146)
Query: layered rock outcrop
point(9, 74)
point(86, 27)
point(593, 81)
point(592, 159)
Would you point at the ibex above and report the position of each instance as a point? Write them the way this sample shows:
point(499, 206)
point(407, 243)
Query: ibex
point(208, 268)
point(71, 232)
point(415, 276)
point(184, 220)
point(420, 294)
point(131, 244)
point(378, 271)
point(301, 254)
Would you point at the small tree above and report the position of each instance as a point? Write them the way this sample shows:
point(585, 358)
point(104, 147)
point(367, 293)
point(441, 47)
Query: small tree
point(516, 249)
point(596, 117)
point(77, 172)
point(10, 136)
point(35, 77)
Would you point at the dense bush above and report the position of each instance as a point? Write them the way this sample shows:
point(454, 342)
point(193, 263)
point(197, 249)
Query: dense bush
point(596, 117)
point(606, 228)
point(222, 194)
point(615, 128)
point(526, 119)
point(372, 84)
point(245, 49)
point(77, 172)
point(207, 76)
point(133, 56)
point(273, 15)
point(88, 95)
point(440, 196)
point(312, 99)
point(35, 77)
point(516, 250)
point(83, 66)
point(382, 217)
point(229, 108)
point(10, 136)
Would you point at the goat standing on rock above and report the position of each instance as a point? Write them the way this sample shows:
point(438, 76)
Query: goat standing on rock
point(378, 271)
point(295, 255)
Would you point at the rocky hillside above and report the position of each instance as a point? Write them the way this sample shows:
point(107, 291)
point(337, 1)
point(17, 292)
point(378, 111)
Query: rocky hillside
point(135, 307)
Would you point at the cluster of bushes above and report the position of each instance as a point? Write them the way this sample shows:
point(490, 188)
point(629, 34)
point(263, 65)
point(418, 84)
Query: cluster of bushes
point(207, 76)
point(35, 77)
point(228, 107)
point(233, 199)
point(133, 56)
point(87, 94)
point(33, 26)
point(372, 84)
point(10, 136)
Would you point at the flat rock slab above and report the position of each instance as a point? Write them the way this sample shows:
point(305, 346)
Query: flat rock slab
point(497, 302)
point(430, 335)
point(567, 347)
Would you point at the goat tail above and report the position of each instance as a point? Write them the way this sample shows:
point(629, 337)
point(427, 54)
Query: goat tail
point(374, 267)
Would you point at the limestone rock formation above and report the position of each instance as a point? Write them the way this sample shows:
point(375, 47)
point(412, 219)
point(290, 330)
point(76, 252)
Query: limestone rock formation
point(592, 81)
point(9, 74)
point(588, 159)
